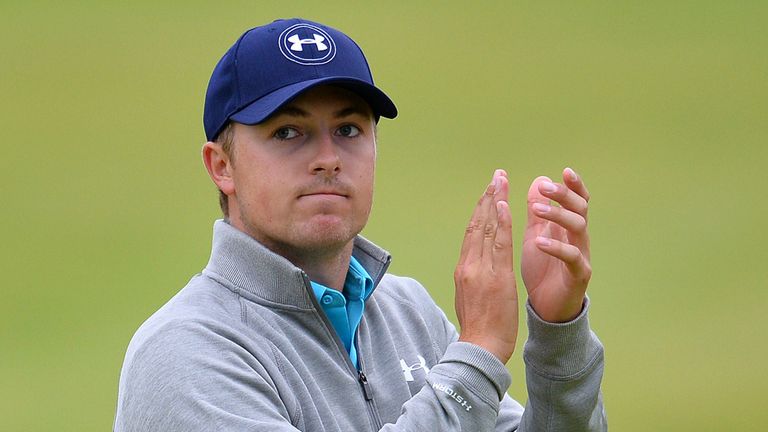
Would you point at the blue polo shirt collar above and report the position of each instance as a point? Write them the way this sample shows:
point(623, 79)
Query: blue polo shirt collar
point(345, 309)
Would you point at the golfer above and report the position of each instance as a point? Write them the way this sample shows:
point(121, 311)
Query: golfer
point(295, 325)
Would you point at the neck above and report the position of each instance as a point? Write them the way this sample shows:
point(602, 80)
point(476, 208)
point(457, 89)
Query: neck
point(328, 268)
point(325, 265)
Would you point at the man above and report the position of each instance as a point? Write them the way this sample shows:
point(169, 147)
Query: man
point(294, 323)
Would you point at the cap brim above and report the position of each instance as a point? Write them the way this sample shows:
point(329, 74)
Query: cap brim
point(260, 109)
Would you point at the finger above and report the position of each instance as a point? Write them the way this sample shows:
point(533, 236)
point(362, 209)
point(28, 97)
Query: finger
point(491, 224)
point(471, 247)
point(572, 222)
point(502, 191)
point(577, 265)
point(575, 225)
point(575, 183)
point(502, 247)
point(564, 196)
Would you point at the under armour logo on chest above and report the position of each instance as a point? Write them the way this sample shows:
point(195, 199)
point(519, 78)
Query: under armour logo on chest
point(297, 42)
point(408, 370)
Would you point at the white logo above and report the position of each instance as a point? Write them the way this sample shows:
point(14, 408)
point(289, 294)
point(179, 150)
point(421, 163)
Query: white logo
point(408, 370)
point(453, 394)
point(307, 45)
point(298, 42)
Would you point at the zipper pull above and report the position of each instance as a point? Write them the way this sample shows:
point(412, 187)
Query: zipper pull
point(366, 387)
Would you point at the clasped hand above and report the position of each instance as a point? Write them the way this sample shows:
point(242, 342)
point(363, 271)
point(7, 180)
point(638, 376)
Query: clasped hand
point(555, 261)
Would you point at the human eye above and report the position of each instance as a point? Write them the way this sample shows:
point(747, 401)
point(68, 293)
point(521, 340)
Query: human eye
point(348, 131)
point(286, 133)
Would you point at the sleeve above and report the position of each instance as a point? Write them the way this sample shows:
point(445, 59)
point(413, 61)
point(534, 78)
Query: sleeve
point(462, 392)
point(564, 369)
point(564, 366)
point(192, 376)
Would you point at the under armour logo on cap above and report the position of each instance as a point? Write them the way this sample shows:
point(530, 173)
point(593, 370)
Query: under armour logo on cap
point(306, 44)
point(298, 42)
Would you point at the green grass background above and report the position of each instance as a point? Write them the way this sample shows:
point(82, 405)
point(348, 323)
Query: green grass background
point(660, 105)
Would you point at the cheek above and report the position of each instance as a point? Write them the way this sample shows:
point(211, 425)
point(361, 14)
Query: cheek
point(366, 189)
point(370, 173)
point(253, 173)
point(255, 189)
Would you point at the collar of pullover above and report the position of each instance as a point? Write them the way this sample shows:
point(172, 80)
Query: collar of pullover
point(239, 261)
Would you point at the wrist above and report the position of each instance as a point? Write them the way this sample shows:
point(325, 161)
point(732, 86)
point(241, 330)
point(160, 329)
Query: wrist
point(563, 313)
point(500, 348)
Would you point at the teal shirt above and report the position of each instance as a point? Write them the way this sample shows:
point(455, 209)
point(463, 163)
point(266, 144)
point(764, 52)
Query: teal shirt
point(345, 310)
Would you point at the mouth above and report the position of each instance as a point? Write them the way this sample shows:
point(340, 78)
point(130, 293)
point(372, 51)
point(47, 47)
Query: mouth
point(337, 190)
point(325, 194)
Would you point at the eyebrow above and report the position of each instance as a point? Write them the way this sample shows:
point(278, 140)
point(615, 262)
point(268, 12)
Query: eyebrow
point(354, 109)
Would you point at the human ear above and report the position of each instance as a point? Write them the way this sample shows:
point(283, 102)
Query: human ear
point(219, 167)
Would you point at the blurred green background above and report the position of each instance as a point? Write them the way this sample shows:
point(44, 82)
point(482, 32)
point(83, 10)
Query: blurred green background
point(661, 106)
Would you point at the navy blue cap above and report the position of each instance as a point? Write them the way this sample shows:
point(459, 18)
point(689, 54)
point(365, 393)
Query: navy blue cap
point(271, 64)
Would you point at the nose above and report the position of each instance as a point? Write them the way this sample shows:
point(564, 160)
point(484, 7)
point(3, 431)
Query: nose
point(326, 160)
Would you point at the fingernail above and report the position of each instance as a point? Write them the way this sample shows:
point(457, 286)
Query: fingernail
point(543, 241)
point(571, 174)
point(541, 208)
point(549, 187)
